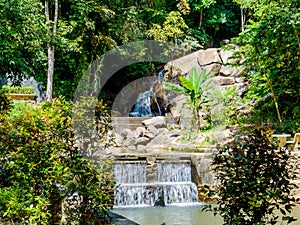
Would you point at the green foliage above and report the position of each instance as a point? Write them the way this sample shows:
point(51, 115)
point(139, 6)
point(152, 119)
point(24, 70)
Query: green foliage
point(254, 180)
point(270, 46)
point(42, 166)
point(193, 87)
point(88, 29)
point(22, 37)
point(171, 30)
point(5, 103)
point(17, 89)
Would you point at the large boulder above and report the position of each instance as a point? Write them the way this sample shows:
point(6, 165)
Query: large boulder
point(157, 122)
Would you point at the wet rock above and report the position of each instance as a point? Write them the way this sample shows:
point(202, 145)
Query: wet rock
point(160, 202)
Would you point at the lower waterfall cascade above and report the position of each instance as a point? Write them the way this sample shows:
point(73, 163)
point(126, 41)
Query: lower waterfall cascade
point(172, 183)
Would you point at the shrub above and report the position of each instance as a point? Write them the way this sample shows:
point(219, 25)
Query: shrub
point(5, 103)
point(9, 89)
point(41, 167)
point(254, 180)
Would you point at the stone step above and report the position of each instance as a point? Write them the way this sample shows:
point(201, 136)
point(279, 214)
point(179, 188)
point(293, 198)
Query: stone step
point(120, 123)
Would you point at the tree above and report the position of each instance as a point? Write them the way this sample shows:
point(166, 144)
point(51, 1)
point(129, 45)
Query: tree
point(51, 33)
point(42, 167)
point(254, 180)
point(270, 46)
point(199, 6)
point(22, 38)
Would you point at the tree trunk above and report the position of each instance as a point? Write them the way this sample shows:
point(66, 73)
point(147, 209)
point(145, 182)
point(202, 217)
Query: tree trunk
point(242, 19)
point(200, 17)
point(51, 48)
point(50, 74)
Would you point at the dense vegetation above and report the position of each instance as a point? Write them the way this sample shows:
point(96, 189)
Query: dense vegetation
point(69, 35)
point(86, 30)
point(55, 41)
point(270, 45)
point(43, 168)
point(254, 180)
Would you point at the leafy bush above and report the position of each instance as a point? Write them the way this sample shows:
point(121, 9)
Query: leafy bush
point(254, 180)
point(194, 87)
point(5, 103)
point(9, 89)
point(42, 169)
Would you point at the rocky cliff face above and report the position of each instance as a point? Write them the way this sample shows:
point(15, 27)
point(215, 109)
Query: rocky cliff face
point(213, 59)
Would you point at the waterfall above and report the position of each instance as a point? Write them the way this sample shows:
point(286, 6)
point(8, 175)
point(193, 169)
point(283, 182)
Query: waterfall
point(173, 182)
point(149, 103)
point(130, 172)
point(174, 171)
point(142, 107)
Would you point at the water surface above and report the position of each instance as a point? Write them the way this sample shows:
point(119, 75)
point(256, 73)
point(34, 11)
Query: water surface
point(178, 215)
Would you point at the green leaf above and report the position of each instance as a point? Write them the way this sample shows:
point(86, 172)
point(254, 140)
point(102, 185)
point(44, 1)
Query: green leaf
point(174, 88)
point(187, 84)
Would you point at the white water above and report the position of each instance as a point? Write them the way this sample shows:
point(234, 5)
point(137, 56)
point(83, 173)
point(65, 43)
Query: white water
point(130, 172)
point(173, 183)
point(174, 171)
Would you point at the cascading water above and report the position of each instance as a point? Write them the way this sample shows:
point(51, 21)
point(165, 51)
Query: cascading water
point(173, 183)
point(150, 103)
point(177, 171)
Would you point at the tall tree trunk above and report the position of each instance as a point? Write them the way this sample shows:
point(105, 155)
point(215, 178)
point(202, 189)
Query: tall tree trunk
point(242, 19)
point(200, 17)
point(51, 34)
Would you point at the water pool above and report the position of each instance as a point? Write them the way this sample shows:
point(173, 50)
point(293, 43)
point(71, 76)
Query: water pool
point(178, 215)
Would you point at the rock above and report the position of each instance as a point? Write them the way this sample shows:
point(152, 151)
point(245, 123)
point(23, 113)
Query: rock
point(157, 122)
point(142, 141)
point(160, 202)
point(163, 140)
point(238, 80)
point(228, 71)
point(226, 55)
point(185, 63)
point(152, 129)
point(208, 56)
point(131, 148)
point(141, 148)
point(241, 88)
point(220, 81)
point(174, 133)
point(149, 135)
point(130, 141)
point(140, 131)
point(125, 132)
point(179, 108)
point(118, 140)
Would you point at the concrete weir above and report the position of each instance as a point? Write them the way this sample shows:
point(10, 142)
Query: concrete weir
point(142, 179)
point(144, 182)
